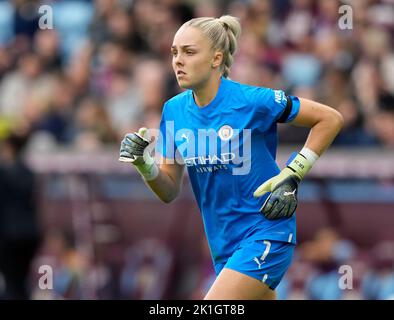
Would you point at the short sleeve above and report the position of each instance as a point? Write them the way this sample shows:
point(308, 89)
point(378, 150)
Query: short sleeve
point(274, 106)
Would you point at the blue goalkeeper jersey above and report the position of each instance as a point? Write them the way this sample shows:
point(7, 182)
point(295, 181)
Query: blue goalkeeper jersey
point(229, 149)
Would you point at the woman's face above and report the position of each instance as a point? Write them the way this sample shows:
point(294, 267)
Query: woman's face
point(193, 59)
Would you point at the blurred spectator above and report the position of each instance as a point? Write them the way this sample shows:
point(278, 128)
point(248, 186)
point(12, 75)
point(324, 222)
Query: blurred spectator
point(92, 128)
point(6, 22)
point(328, 251)
point(124, 103)
point(25, 17)
point(283, 289)
point(53, 113)
point(299, 21)
point(78, 73)
point(383, 120)
point(74, 275)
point(378, 283)
point(111, 58)
point(58, 251)
point(205, 273)
point(72, 20)
point(146, 271)
point(353, 132)
point(17, 83)
point(98, 29)
point(46, 46)
point(19, 226)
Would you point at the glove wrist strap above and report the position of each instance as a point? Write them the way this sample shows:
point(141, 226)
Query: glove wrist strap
point(149, 169)
point(300, 165)
point(310, 155)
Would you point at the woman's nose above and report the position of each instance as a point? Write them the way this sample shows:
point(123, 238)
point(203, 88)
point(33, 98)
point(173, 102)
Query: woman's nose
point(178, 60)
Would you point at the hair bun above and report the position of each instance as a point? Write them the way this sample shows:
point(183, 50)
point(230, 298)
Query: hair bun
point(224, 24)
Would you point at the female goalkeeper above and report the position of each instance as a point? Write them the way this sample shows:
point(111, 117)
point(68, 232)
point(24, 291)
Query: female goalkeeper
point(247, 203)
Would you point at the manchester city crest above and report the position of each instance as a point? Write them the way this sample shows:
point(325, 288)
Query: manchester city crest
point(225, 132)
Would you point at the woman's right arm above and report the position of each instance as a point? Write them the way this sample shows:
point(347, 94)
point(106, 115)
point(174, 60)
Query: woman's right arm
point(167, 185)
point(165, 181)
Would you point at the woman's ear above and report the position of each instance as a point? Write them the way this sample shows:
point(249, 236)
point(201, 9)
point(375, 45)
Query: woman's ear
point(217, 60)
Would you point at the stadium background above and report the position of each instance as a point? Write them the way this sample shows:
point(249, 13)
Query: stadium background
point(105, 69)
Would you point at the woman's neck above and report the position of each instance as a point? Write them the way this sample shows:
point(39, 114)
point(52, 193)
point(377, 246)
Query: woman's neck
point(205, 94)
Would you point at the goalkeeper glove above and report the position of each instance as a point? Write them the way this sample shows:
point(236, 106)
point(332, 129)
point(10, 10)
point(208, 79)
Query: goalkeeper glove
point(133, 149)
point(282, 201)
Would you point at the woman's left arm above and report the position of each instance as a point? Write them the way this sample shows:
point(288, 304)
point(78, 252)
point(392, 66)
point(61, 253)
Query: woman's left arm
point(325, 124)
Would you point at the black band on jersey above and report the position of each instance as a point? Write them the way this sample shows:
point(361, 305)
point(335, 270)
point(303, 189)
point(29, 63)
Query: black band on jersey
point(286, 112)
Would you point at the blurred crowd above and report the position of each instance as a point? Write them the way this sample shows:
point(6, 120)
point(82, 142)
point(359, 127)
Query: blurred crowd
point(105, 67)
point(327, 267)
point(331, 267)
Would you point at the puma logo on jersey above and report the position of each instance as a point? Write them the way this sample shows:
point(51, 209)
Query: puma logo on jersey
point(185, 137)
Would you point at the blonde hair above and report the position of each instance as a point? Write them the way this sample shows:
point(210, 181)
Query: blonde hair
point(223, 34)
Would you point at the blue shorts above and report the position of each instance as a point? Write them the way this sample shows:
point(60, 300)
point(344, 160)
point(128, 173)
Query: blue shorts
point(264, 260)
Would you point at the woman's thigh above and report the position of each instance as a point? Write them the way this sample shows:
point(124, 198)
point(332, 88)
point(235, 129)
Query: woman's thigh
point(233, 285)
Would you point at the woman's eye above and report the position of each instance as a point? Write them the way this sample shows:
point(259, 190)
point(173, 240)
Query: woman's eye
point(189, 52)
